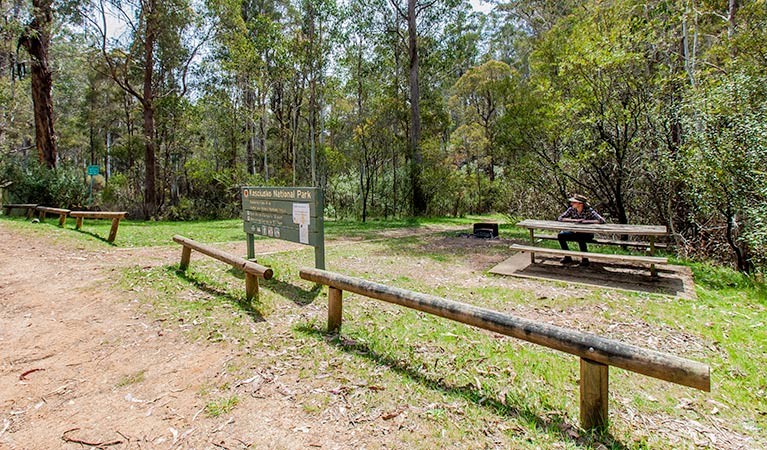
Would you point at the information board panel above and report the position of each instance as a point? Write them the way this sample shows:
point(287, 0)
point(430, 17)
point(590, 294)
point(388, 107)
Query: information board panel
point(289, 213)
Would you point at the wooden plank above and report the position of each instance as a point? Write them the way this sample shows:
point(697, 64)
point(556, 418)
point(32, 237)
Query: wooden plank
point(594, 394)
point(30, 207)
point(99, 214)
point(638, 244)
point(592, 347)
point(599, 228)
point(51, 210)
point(60, 211)
point(592, 256)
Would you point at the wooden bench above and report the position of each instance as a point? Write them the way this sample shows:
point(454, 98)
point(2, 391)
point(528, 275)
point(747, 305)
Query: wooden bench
point(116, 216)
point(637, 244)
point(30, 207)
point(252, 270)
point(636, 259)
point(42, 210)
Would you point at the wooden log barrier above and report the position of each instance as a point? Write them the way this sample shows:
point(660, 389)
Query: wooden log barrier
point(252, 270)
point(30, 207)
point(115, 216)
point(42, 210)
point(596, 353)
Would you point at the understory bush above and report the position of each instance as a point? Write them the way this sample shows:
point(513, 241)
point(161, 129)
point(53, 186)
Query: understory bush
point(63, 187)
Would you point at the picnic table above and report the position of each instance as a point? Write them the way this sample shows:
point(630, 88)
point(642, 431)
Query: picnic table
point(651, 232)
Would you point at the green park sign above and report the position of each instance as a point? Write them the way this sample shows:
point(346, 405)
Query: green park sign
point(289, 213)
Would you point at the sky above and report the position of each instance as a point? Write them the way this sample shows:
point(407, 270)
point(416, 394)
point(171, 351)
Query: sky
point(481, 6)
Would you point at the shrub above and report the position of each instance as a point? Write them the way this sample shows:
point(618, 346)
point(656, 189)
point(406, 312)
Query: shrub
point(63, 187)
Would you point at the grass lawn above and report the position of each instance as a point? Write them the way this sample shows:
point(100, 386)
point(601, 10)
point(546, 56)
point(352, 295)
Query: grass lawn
point(459, 386)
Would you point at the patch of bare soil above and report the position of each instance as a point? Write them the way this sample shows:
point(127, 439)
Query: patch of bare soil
point(82, 367)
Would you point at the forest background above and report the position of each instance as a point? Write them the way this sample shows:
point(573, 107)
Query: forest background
point(655, 110)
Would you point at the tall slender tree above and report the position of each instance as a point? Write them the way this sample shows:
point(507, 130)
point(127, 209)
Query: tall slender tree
point(36, 40)
point(158, 26)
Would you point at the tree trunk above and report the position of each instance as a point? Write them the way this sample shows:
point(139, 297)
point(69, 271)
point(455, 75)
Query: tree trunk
point(36, 41)
point(150, 190)
point(416, 162)
point(250, 128)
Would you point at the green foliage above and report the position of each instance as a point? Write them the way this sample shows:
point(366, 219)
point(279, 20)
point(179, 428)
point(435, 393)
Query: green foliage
point(61, 188)
point(122, 194)
point(725, 160)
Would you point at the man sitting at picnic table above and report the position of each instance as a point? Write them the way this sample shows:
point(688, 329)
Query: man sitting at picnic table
point(580, 212)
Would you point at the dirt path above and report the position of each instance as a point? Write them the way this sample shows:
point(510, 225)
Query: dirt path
point(72, 346)
point(82, 366)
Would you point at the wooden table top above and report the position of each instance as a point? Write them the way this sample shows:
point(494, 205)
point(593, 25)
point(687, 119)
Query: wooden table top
point(595, 228)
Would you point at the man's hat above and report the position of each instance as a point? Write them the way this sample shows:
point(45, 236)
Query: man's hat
point(579, 199)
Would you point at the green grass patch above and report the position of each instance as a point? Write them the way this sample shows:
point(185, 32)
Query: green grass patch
point(458, 386)
point(221, 406)
point(132, 378)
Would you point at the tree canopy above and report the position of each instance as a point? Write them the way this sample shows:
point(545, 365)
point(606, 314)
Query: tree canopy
point(656, 111)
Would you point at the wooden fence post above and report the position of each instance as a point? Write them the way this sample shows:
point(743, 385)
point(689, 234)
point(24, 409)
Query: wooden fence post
point(335, 307)
point(186, 254)
point(113, 230)
point(251, 286)
point(594, 394)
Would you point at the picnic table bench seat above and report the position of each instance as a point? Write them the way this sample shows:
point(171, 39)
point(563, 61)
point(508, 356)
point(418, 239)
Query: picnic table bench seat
point(116, 216)
point(30, 207)
point(596, 240)
point(62, 212)
point(602, 257)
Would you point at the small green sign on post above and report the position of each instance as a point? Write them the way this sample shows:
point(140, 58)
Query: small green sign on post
point(93, 170)
point(289, 213)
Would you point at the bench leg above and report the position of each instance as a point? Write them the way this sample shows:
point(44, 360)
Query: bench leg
point(41, 216)
point(62, 219)
point(532, 242)
point(113, 230)
point(30, 212)
point(79, 223)
point(186, 254)
point(251, 286)
point(594, 394)
point(335, 308)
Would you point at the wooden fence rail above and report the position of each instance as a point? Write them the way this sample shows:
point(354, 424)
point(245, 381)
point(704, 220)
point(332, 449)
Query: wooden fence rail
point(252, 270)
point(596, 353)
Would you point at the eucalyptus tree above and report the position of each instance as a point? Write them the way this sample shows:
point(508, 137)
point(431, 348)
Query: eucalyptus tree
point(150, 62)
point(248, 45)
point(724, 148)
point(421, 18)
point(36, 40)
point(479, 99)
point(597, 70)
point(16, 115)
